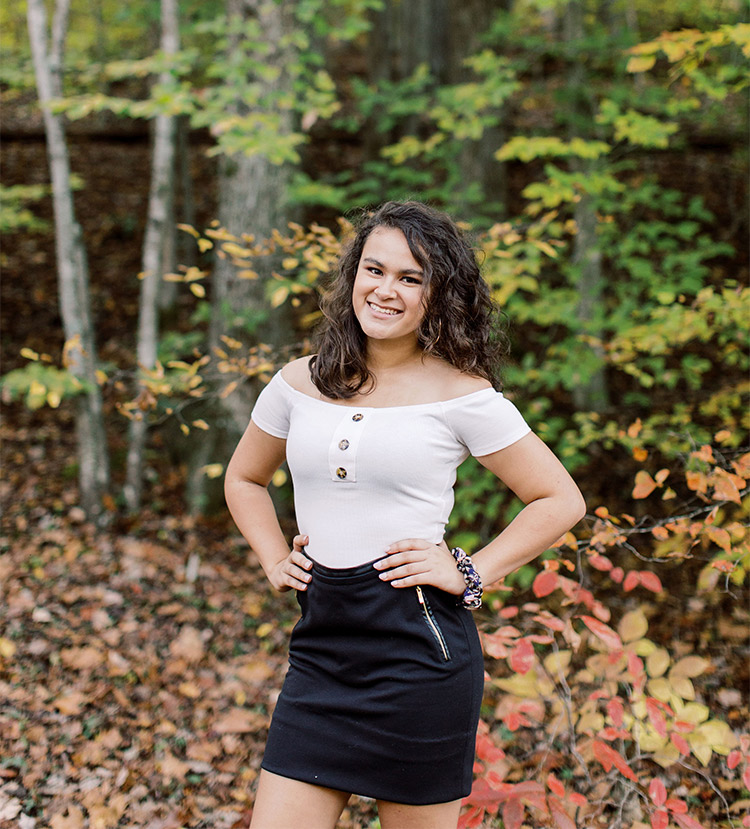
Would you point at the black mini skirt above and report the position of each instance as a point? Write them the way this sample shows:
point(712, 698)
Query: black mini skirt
point(383, 691)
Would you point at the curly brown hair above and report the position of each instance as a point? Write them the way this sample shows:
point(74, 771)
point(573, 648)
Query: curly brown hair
point(461, 324)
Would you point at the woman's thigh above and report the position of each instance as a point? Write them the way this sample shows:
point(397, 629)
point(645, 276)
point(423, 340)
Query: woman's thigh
point(434, 816)
point(282, 803)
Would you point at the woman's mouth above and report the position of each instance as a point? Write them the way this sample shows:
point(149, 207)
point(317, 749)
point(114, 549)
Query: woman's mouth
point(382, 309)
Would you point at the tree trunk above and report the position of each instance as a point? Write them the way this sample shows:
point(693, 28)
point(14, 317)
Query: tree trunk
point(252, 199)
point(591, 393)
point(158, 227)
point(440, 34)
point(73, 279)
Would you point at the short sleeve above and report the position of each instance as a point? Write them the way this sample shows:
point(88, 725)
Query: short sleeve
point(271, 410)
point(485, 422)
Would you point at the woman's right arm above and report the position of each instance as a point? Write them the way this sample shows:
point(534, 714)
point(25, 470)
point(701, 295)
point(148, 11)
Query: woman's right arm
point(257, 456)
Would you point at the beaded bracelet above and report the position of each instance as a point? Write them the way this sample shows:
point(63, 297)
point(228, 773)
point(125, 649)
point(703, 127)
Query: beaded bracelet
point(472, 597)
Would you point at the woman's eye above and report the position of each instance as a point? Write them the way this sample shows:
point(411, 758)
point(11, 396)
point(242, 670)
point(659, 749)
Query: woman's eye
point(375, 271)
point(411, 280)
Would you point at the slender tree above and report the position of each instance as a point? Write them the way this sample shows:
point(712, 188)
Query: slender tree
point(72, 268)
point(158, 231)
point(252, 199)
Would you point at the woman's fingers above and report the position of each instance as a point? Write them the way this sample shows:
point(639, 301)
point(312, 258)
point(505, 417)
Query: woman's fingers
point(415, 561)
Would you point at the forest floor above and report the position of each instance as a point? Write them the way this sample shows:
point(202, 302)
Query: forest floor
point(139, 667)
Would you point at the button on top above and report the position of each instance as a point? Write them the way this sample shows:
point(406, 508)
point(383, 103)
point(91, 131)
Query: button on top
point(344, 444)
point(341, 472)
point(357, 416)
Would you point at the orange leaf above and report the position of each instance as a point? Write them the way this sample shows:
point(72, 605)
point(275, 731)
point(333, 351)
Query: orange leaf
point(651, 581)
point(632, 580)
point(644, 485)
point(522, 656)
point(555, 785)
point(513, 813)
point(680, 743)
point(604, 632)
point(660, 819)
point(544, 583)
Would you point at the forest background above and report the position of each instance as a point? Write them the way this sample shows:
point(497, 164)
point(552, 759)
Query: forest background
point(206, 161)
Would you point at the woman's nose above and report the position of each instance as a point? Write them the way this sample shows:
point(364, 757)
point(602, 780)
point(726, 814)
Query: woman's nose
point(386, 287)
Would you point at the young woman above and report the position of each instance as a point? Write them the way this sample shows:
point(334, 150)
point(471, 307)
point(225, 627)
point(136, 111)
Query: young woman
point(384, 687)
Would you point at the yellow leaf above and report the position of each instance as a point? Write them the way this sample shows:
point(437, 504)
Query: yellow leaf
point(101, 377)
point(7, 648)
point(289, 263)
point(691, 666)
point(279, 295)
point(198, 289)
point(204, 245)
point(201, 424)
point(718, 735)
point(660, 689)
point(235, 250)
point(590, 722)
point(700, 747)
point(279, 478)
point(213, 470)
point(228, 389)
point(633, 625)
point(640, 63)
point(643, 647)
point(682, 686)
point(189, 229)
point(665, 756)
point(185, 429)
point(692, 712)
point(556, 663)
point(263, 630)
point(29, 354)
point(649, 738)
point(246, 273)
point(658, 662)
point(521, 685)
point(53, 399)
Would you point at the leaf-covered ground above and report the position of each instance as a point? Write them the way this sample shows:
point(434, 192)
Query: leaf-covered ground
point(139, 666)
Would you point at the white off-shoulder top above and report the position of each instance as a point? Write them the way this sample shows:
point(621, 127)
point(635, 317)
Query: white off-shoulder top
point(365, 477)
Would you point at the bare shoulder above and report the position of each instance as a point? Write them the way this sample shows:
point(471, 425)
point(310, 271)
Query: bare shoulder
point(455, 383)
point(297, 374)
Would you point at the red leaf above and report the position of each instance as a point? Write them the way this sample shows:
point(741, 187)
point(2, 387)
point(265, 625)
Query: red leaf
point(674, 804)
point(680, 743)
point(651, 581)
point(604, 632)
point(559, 815)
point(657, 791)
point(660, 819)
point(471, 819)
point(513, 813)
point(733, 758)
point(657, 719)
point(522, 656)
point(632, 580)
point(608, 757)
point(544, 583)
point(600, 563)
point(615, 710)
point(555, 785)
point(616, 574)
point(746, 776)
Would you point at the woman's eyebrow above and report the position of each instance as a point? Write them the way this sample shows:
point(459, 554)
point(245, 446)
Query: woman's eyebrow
point(406, 271)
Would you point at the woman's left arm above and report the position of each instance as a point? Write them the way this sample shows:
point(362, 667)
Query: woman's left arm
point(553, 502)
point(553, 505)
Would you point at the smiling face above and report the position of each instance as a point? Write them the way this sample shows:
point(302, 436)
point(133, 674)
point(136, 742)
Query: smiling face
point(388, 294)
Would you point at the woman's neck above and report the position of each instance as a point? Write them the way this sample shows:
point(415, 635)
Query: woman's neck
point(389, 355)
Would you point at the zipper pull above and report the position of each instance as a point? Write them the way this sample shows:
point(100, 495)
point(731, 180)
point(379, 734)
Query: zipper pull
point(420, 595)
